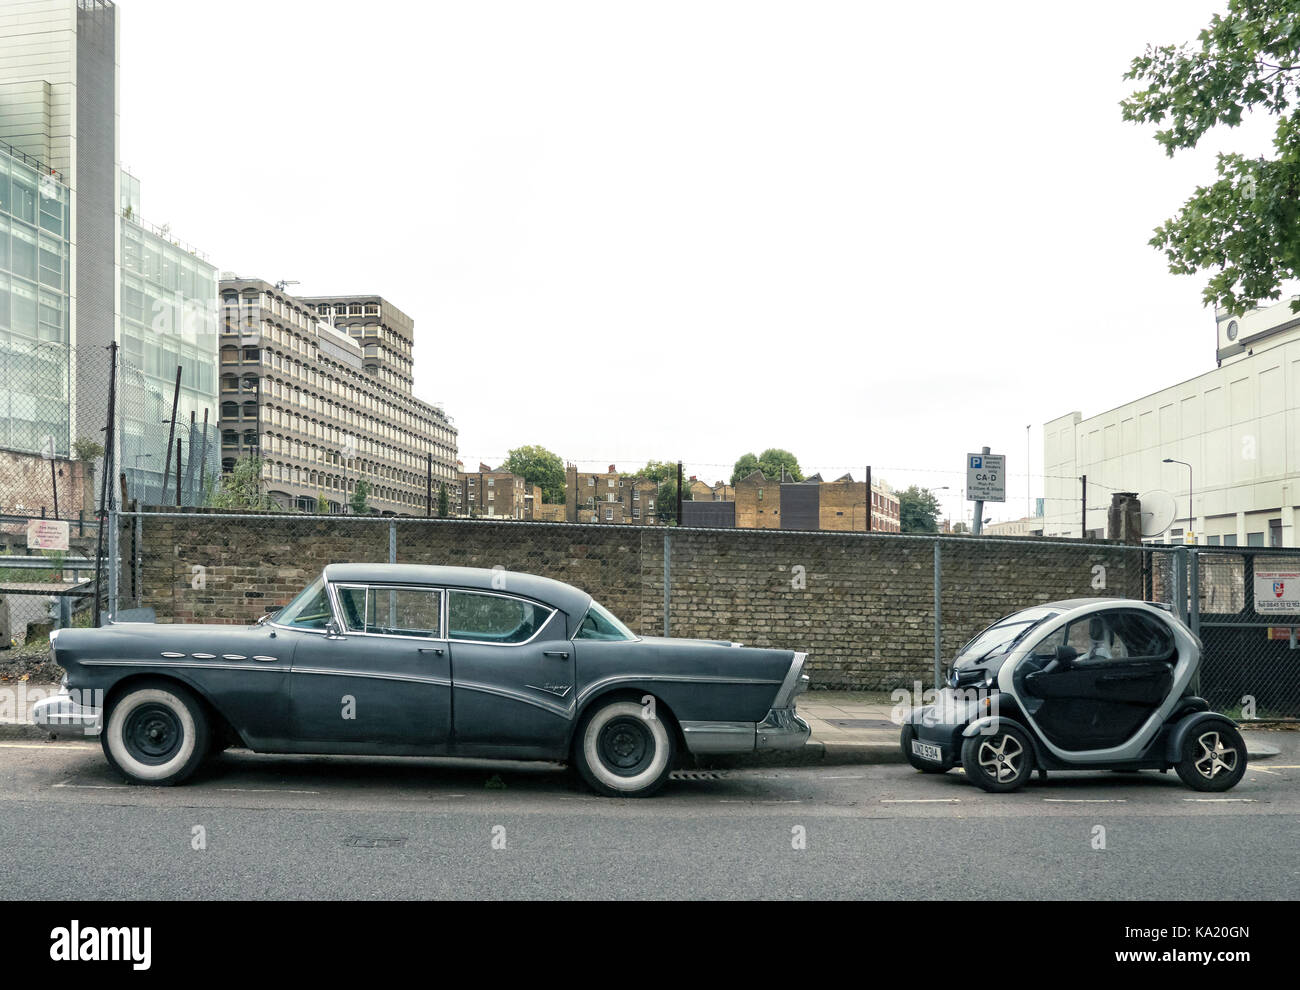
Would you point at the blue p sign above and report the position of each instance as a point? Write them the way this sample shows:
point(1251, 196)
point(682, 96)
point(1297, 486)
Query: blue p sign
point(976, 463)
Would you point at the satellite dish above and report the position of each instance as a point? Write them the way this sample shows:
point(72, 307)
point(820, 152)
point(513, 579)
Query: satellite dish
point(1158, 511)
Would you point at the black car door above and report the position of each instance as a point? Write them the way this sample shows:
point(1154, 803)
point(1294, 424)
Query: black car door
point(1099, 700)
point(379, 681)
point(512, 675)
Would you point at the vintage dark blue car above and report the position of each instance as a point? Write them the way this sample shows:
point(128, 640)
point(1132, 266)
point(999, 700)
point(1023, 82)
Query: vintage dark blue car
point(414, 660)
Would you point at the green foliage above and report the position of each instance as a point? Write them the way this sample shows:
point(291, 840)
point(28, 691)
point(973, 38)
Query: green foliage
point(659, 472)
point(538, 466)
point(1246, 225)
point(444, 503)
point(322, 505)
point(358, 501)
point(86, 449)
point(918, 510)
point(770, 462)
point(241, 488)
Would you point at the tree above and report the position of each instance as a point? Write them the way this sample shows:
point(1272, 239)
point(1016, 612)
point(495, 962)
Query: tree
point(659, 472)
point(322, 505)
point(770, 462)
point(1245, 225)
point(918, 510)
point(444, 505)
point(241, 488)
point(358, 500)
point(87, 450)
point(538, 466)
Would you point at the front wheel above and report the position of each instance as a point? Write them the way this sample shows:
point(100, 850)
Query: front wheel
point(623, 749)
point(155, 733)
point(1213, 757)
point(999, 762)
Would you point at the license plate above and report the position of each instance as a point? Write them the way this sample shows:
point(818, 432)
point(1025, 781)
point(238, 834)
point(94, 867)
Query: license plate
point(926, 751)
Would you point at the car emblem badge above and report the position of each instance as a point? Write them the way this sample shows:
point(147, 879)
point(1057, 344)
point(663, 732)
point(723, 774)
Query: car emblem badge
point(560, 690)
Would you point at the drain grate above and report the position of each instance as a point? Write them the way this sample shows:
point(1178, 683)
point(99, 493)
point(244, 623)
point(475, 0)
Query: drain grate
point(862, 723)
point(698, 775)
point(375, 842)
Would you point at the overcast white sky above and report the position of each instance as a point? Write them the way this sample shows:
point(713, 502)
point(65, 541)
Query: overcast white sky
point(865, 232)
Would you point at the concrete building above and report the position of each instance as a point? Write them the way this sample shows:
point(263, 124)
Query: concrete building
point(102, 275)
point(1237, 426)
point(1027, 526)
point(302, 393)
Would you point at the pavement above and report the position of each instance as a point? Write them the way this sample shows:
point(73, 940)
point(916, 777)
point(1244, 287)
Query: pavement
point(848, 728)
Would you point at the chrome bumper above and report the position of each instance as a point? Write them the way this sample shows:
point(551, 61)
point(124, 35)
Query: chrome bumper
point(782, 728)
point(64, 711)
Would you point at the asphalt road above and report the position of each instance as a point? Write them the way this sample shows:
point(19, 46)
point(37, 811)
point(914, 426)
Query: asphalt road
point(299, 827)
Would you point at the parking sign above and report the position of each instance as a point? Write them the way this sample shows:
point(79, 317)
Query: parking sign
point(986, 477)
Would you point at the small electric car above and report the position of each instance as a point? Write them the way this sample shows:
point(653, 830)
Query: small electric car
point(1087, 684)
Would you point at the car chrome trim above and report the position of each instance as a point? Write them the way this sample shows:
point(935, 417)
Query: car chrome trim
point(564, 711)
point(204, 656)
point(719, 737)
point(676, 678)
point(60, 710)
point(235, 656)
point(782, 728)
point(172, 656)
point(792, 685)
point(264, 659)
point(173, 663)
point(373, 675)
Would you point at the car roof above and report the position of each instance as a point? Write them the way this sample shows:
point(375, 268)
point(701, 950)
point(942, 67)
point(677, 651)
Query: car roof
point(1073, 603)
point(563, 596)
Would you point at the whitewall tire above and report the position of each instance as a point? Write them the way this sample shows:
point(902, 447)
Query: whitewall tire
point(623, 749)
point(156, 733)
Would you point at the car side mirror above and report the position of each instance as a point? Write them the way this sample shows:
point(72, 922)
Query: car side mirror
point(333, 630)
point(1066, 655)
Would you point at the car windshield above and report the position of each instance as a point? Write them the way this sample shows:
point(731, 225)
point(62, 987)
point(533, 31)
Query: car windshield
point(310, 610)
point(599, 623)
point(1000, 637)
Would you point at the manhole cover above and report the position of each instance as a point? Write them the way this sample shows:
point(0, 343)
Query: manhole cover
point(375, 842)
point(862, 723)
point(698, 775)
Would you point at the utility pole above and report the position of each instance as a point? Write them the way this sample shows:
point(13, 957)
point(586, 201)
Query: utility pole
point(178, 472)
point(679, 493)
point(868, 498)
point(171, 435)
point(428, 488)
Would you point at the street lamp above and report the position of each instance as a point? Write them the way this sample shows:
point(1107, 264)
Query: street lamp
point(1190, 537)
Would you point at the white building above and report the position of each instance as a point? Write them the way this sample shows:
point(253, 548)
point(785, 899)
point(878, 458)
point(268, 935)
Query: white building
point(1237, 426)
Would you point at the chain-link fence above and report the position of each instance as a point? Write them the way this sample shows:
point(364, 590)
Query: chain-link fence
point(874, 611)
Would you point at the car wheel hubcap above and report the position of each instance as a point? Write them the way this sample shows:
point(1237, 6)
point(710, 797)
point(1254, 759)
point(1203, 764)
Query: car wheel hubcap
point(1214, 757)
point(152, 734)
point(626, 746)
point(1000, 758)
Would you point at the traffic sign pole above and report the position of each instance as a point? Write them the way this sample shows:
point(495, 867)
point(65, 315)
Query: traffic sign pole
point(979, 506)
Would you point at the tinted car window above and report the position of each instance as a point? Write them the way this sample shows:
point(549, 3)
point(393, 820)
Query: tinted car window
point(493, 618)
point(599, 623)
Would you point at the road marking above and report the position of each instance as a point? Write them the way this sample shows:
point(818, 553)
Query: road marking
point(1086, 800)
point(1283, 766)
point(93, 787)
point(264, 790)
point(1221, 800)
point(1262, 770)
point(920, 800)
point(53, 747)
point(861, 776)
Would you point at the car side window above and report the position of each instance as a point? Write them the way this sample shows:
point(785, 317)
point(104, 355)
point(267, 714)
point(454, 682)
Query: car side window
point(1143, 636)
point(493, 618)
point(310, 610)
point(382, 611)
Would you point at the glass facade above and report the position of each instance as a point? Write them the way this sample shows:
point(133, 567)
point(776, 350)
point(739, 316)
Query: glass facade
point(169, 318)
point(34, 307)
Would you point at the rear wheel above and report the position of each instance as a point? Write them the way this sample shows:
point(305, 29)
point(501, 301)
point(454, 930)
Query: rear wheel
point(918, 762)
point(623, 749)
point(999, 762)
point(1213, 757)
point(155, 733)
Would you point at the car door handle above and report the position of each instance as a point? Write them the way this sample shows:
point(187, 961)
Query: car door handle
point(435, 650)
point(556, 654)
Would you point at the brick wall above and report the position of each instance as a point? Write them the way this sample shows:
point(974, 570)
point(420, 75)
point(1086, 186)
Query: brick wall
point(26, 488)
point(861, 606)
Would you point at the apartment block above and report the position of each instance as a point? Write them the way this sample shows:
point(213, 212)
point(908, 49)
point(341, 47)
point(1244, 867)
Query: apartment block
point(609, 496)
point(494, 494)
point(302, 392)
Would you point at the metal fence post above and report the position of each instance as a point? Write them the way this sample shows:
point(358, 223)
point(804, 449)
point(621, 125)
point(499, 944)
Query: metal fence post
point(1194, 610)
point(938, 618)
point(1180, 583)
point(111, 521)
point(392, 542)
point(668, 576)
